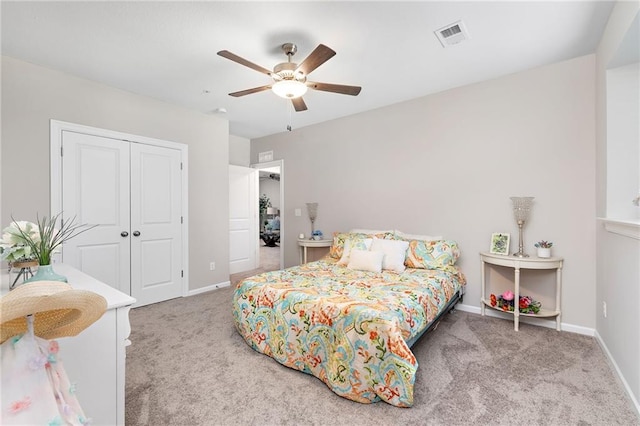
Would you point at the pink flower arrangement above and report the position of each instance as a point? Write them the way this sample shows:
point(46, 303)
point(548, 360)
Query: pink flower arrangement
point(508, 295)
point(505, 302)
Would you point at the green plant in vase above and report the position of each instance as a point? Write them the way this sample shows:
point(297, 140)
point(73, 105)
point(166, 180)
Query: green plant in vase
point(39, 241)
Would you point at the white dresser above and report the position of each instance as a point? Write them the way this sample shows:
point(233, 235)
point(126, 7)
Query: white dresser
point(95, 359)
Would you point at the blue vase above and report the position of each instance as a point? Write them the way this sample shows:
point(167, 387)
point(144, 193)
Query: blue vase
point(46, 273)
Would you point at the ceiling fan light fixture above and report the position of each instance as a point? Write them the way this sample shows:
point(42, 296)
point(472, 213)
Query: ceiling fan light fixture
point(290, 79)
point(289, 89)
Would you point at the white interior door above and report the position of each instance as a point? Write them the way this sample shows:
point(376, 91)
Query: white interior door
point(95, 189)
point(243, 210)
point(156, 217)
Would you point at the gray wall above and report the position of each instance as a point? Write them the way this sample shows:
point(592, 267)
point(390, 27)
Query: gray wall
point(239, 151)
point(33, 95)
point(448, 163)
point(271, 188)
point(618, 257)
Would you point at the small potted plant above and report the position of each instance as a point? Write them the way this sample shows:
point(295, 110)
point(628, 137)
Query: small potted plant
point(544, 248)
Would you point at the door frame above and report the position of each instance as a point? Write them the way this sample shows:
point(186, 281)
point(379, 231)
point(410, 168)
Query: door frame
point(55, 138)
point(267, 165)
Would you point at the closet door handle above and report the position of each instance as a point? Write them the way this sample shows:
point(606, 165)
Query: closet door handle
point(124, 234)
point(136, 233)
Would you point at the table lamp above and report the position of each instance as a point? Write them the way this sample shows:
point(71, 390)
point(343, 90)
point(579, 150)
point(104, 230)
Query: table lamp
point(312, 208)
point(521, 209)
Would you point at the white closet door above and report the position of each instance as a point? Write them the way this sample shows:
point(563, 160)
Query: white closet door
point(243, 208)
point(156, 230)
point(95, 189)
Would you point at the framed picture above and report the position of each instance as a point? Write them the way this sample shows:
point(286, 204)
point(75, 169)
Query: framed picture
point(499, 243)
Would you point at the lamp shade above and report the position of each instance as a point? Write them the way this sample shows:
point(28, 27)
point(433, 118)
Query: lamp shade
point(289, 89)
point(272, 210)
point(312, 209)
point(521, 207)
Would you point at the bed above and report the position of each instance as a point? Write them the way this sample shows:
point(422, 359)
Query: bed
point(351, 318)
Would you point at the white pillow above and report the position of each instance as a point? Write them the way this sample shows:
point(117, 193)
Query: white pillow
point(395, 252)
point(404, 236)
point(351, 244)
point(364, 260)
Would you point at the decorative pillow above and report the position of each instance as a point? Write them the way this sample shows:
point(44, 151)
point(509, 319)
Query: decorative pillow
point(409, 237)
point(432, 254)
point(390, 235)
point(338, 244)
point(353, 243)
point(337, 248)
point(364, 260)
point(371, 231)
point(395, 253)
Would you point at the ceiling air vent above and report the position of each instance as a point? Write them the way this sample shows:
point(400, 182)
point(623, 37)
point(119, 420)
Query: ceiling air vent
point(452, 34)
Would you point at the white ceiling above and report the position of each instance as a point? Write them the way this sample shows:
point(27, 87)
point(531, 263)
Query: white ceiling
point(167, 50)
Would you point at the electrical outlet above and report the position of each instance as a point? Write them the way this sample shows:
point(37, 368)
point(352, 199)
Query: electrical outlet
point(212, 266)
point(604, 309)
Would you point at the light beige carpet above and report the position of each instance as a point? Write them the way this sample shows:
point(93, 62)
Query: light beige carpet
point(269, 261)
point(187, 365)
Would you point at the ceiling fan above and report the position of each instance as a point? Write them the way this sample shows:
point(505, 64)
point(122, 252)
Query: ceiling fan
point(290, 79)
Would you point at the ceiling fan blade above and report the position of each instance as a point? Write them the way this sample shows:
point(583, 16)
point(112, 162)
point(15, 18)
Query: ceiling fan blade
point(249, 91)
point(298, 104)
point(335, 88)
point(319, 56)
point(242, 61)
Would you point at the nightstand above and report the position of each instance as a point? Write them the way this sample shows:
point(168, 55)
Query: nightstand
point(518, 263)
point(305, 244)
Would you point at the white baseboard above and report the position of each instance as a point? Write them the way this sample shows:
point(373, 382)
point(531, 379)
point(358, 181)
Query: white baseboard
point(626, 386)
point(208, 288)
point(468, 308)
point(572, 328)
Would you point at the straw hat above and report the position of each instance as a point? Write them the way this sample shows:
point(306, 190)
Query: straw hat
point(58, 310)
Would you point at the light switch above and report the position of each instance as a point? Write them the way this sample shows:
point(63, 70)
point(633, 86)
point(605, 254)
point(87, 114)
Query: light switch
point(298, 212)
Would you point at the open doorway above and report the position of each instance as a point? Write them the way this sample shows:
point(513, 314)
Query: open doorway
point(271, 217)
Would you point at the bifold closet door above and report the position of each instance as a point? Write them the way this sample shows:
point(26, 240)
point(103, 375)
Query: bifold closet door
point(95, 190)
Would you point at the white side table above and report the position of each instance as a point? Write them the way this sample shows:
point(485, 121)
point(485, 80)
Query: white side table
point(518, 263)
point(304, 244)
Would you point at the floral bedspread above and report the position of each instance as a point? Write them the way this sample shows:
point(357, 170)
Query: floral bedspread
point(348, 328)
